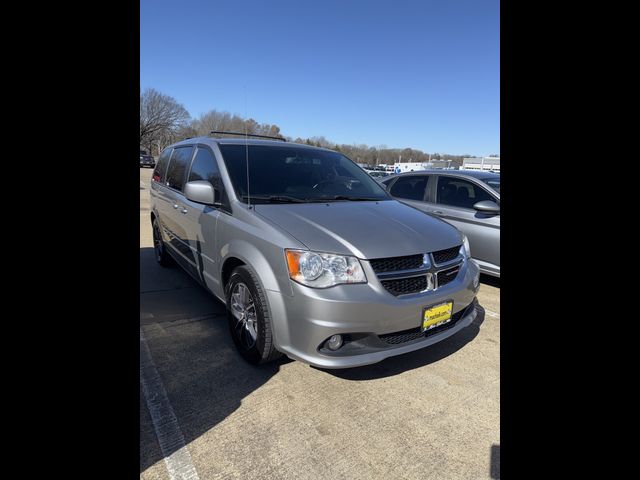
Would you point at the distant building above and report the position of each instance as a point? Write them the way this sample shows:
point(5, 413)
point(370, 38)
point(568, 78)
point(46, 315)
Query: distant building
point(481, 163)
point(438, 164)
point(399, 167)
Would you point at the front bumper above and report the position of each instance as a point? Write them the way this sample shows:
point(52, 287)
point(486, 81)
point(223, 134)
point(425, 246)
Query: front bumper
point(363, 312)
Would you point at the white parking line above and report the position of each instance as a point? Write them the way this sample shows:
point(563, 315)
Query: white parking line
point(491, 314)
point(164, 420)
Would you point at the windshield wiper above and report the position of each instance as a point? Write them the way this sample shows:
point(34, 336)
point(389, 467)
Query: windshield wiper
point(274, 198)
point(345, 197)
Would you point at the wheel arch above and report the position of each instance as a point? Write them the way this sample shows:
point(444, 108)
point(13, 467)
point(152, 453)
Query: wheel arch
point(241, 252)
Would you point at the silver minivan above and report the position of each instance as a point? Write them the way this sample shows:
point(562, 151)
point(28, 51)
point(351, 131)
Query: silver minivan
point(311, 256)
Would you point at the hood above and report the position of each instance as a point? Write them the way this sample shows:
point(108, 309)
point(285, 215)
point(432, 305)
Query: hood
point(365, 229)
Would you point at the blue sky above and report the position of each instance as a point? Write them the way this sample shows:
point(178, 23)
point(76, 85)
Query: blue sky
point(419, 74)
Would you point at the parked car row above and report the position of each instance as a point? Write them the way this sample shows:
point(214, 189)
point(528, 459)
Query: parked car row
point(312, 257)
point(467, 199)
point(376, 173)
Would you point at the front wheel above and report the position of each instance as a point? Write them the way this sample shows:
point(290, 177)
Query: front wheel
point(249, 320)
point(162, 256)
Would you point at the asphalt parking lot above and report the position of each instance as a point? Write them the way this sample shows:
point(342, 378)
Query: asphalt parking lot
point(429, 414)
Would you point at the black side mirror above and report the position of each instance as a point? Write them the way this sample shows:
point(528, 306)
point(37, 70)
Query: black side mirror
point(487, 206)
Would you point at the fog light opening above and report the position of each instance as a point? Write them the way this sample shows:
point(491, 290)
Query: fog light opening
point(334, 342)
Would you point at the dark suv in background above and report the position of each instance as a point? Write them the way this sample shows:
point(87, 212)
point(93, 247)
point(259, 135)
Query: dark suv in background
point(146, 160)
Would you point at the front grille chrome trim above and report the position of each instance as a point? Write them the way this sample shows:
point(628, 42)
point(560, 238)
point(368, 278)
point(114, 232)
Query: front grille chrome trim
point(443, 257)
point(392, 281)
point(438, 284)
point(416, 272)
point(450, 263)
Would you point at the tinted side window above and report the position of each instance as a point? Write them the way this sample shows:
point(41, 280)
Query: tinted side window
point(204, 167)
point(460, 193)
point(387, 182)
point(178, 167)
point(161, 165)
point(411, 187)
point(493, 183)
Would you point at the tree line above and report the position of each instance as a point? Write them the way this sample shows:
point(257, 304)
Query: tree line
point(164, 121)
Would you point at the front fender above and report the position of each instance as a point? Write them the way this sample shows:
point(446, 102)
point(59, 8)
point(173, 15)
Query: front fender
point(274, 281)
point(272, 275)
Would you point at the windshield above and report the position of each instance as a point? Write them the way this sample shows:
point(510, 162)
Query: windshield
point(493, 183)
point(297, 174)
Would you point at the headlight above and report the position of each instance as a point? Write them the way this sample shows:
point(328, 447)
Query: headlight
point(464, 249)
point(321, 270)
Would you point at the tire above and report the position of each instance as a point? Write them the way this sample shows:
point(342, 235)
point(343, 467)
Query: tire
point(160, 250)
point(252, 336)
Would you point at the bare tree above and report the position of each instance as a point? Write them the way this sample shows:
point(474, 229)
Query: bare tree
point(212, 120)
point(224, 121)
point(321, 142)
point(163, 121)
point(160, 118)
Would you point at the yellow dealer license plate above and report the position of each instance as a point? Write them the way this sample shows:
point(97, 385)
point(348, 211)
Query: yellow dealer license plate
point(436, 315)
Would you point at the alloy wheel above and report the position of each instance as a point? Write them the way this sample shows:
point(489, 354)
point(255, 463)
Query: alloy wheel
point(157, 241)
point(243, 309)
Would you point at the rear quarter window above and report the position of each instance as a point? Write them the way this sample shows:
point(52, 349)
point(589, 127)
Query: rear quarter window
point(387, 182)
point(161, 166)
point(411, 187)
point(178, 166)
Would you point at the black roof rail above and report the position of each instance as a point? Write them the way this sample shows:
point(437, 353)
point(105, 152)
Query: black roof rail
point(247, 135)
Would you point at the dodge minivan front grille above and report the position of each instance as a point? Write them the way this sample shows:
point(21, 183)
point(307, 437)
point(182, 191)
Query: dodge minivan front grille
point(444, 256)
point(394, 264)
point(418, 273)
point(404, 286)
point(447, 276)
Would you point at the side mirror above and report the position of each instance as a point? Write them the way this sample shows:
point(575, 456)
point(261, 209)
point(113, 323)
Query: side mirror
point(201, 191)
point(487, 206)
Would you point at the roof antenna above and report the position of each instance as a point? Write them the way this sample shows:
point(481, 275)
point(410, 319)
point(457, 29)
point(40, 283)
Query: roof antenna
point(246, 144)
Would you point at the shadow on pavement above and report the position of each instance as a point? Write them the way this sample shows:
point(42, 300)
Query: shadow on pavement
point(490, 280)
point(204, 377)
point(419, 358)
point(186, 330)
